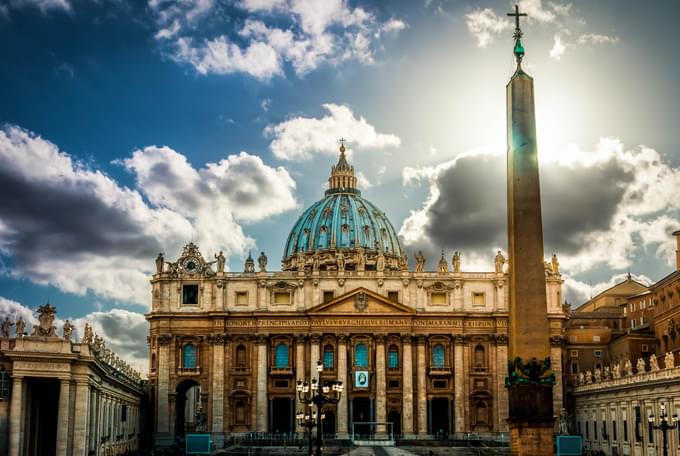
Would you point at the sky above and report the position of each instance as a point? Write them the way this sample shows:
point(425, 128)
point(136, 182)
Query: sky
point(129, 128)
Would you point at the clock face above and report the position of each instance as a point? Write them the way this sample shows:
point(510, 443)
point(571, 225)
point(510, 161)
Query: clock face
point(190, 265)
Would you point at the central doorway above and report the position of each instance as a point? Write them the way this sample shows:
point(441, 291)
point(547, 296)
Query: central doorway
point(190, 416)
point(42, 407)
point(282, 411)
point(361, 413)
point(439, 425)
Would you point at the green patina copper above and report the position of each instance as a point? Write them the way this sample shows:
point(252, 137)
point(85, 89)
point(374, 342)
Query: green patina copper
point(519, 50)
point(531, 373)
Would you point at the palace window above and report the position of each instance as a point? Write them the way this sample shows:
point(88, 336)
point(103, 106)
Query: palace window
point(190, 295)
point(480, 357)
point(281, 355)
point(189, 356)
point(240, 356)
point(327, 296)
point(4, 386)
point(438, 356)
point(282, 298)
point(478, 299)
point(328, 357)
point(393, 296)
point(438, 299)
point(393, 357)
point(241, 298)
point(361, 355)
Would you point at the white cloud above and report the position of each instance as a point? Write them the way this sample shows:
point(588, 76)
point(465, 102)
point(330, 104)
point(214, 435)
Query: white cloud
point(484, 24)
point(43, 5)
point(301, 137)
point(596, 38)
point(578, 292)
point(393, 25)
point(362, 181)
point(79, 230)
point(14, 310)
point(559, 47)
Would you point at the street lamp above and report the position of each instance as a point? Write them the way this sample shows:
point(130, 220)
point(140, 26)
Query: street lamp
point(664, 426)
point(317, 393)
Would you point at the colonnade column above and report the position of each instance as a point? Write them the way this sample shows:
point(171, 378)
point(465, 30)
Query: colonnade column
point(62, 416)
point(421, 378)
point(299, 374)
point(15, 416)
point(343, 431)
point(459, 383)
point(217, 412)
point(407, 382)
point(380, 396)
point(261, 398)
point(81, 418)
point(314, 341)
point(556, 361)
point(163, 405)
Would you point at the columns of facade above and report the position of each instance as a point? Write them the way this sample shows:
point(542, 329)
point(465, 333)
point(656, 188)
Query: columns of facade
point(407, 382)
point(459, 383)
point(556, 361)
point(502, 370)
point(217, 373)
point(92, 427)
point(421, 367)
point(380, 383)
point(261, 397)
point(226, 404)
point(343, 430)
point(81, 418)
point(62, 416)
point(314, 342)
point(299, 374)
point(16, 417)
point(162, 399)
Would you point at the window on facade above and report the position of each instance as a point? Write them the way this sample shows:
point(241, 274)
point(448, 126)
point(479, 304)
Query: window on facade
point(361, 355)
point(604, 429)
point(189, 356)
point(240, 356)
point(478, 299)
point(625, 430)
point(480, 358)
point(595, 429)
point(650, 432)
point(123, 412)
point(644, 348)
point(190, 294)
point(282, 298)
point(638, 424)
point(596, 338)
point(393, 296)
point(328, 357)
point(4, 386)
point(438, 299)
point(281, 355)
point(597, 353)
point(438, 356)
point(587, 429)
point(393, 357)
point(573, 339)
point(632, 323)
point(241, 298)
point(614, 430)
point(574, 368)
point(327, 296)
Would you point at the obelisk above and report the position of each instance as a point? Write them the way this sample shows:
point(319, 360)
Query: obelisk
point(530, 377)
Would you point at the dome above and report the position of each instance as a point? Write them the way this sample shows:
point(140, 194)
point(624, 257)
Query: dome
point(343, 230)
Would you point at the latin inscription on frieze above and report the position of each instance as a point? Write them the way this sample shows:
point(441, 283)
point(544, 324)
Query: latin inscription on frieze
point(41, 366)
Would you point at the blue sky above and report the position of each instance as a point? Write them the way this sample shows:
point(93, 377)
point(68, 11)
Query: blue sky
point(130, 128)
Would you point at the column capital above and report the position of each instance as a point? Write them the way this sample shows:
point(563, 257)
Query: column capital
point(261, 339)
point(315, 338)
point(163, 339)
point(501, 339)
point(420, 339)
point(556, 341)
point(461, 339)
point(217, 338)
point(342, 338)
point(407, 339)
point(379, 338)
point(301, 338)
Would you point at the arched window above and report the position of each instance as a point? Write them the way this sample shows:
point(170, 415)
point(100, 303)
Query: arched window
point(361, 355)
point(281, 355)
point(189, 356)
point(393, 357)
point(480, 358)
point(438, 356)
point(240, 356)
point(328, 357)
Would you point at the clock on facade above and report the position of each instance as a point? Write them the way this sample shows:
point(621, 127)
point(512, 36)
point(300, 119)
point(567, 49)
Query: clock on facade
point(190, 265)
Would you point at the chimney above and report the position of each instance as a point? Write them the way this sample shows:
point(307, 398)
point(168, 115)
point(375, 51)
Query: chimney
point(677, 249)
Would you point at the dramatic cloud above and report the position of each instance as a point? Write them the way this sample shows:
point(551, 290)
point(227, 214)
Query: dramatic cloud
point(301, 137)
point(302, 33)
point(77, 229)
point(598, 206)
point(13, 310)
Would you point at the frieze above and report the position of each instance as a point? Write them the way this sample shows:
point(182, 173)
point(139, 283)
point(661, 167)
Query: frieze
point(371, 321)
point(280, 323)
point(41, 366)
point(480, 324)
point(439, 323)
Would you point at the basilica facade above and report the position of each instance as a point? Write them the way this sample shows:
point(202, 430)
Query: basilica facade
point(422, 349)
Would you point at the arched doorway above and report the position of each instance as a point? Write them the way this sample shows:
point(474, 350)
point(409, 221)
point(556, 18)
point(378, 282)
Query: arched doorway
point(189, 414)
point(395, 418)
point(329, 425)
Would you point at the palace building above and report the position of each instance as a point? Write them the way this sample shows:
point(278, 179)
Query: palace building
point(425, 350)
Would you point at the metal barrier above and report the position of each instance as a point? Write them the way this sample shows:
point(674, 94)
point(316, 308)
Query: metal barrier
point(370, 430)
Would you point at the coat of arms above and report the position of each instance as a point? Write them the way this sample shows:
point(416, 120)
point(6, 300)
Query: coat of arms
point(360, 301)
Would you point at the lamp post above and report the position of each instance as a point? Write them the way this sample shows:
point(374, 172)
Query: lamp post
point(317, 393)
point(664, 426)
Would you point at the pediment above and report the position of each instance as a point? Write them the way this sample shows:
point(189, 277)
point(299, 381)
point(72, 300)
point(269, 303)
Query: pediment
point(361, 301)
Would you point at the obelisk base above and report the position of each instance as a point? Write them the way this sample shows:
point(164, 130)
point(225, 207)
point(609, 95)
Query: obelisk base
point(531, 420)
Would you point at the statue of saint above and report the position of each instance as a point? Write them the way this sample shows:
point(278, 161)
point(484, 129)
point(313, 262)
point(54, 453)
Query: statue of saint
point(499, 262)
point(220, 262)
point(68, 330)
point(669, 360)
point(581, 378)
point(589, 377)
point(554, 264)
point(616, 371)
point(597, 374)
point(628, 367)
point(380, 262)
point(361, 259)
point(340, 261)
point(455, 261)
point(5, 327)
point(159, 263)
point(403, 262)
point(262, 262)
point(641, 368)
point(653, 363)
point(21, 326)
point(443, 266)
point(316, 261)
point(301, 261)
point(564, 422)
point(87, 334)
point(607, 373)
point(420, 261)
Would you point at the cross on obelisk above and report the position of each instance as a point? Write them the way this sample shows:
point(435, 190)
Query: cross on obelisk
point(516, 15)
point(519, 49)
